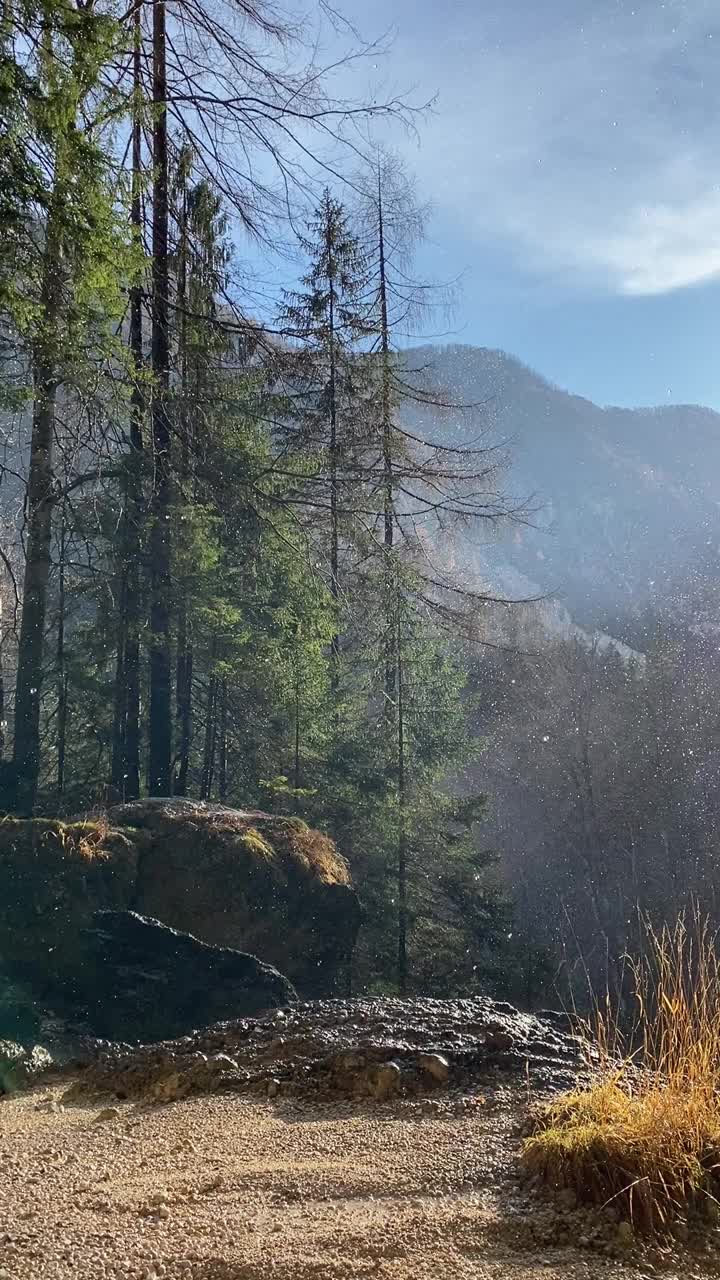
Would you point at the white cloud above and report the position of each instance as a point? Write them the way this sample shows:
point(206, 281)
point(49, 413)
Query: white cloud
point(664, 248)
point(582, 135)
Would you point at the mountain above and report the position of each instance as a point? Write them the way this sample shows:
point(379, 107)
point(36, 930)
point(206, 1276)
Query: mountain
point(624, 503)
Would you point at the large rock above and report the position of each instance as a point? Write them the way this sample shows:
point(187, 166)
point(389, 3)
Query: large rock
point(138, 980)
point(259, 882)
point(248, 881)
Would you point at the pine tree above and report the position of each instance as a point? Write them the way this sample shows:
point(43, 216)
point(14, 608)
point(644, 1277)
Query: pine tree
point(72, 235)
point(325, 395)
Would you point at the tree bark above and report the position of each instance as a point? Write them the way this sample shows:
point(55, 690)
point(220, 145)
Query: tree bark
point(40, 502)
point(184, 665)
point(402, 964)
point(61, 673)
point(125, 769)
point(160, 720)
point(2, 683)
point(334, 530)
point(222, 763)
point(184, 675)
point(388, 479)
point(131, 788)
point(208, 766)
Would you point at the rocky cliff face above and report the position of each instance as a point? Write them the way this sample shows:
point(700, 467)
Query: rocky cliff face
point(251, 882)
point(624, 501)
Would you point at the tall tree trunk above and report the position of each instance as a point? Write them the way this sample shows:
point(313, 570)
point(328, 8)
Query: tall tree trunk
point(388, 479)
point(125, 771)
point(2, 682)
point(296, 753)
point(40, 501)
point(184, 666)
point(160, 724)
point(222, 763)
point(136, 504)
point(61, 673)
point(402, 965)
point(183, 702)
point(208, 764)
point(334, 531)
point(394, 693)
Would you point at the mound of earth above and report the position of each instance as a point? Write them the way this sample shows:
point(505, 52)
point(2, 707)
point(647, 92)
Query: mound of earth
point(376, 1048)
point(248, 881)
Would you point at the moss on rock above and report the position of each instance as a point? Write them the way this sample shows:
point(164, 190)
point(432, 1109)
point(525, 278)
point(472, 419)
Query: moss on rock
point(253, 881)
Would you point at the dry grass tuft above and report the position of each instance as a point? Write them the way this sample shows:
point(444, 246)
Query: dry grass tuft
point(314, 852)
point(85, 839)
point(646, 1133)
point(270, 840)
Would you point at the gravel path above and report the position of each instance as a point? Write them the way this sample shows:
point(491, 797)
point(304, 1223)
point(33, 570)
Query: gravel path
point(232, 1188)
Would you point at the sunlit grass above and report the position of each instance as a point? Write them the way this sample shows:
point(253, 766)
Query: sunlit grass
point(645, 1134)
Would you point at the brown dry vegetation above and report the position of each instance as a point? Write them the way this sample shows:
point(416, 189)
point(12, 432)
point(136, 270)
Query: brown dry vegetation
point(646, 1133)
point(288, 843)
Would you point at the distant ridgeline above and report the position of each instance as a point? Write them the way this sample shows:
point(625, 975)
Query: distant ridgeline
point(623, 503)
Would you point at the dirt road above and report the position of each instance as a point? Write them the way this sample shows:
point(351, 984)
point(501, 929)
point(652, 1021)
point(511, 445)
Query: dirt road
point(229, 1188)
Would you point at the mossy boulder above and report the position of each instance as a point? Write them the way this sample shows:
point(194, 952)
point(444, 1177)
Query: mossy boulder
point(251, 881)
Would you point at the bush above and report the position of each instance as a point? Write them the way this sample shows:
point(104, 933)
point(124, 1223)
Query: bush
point(645, 1134)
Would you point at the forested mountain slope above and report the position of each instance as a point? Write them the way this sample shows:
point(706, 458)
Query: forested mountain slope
point(622, 501)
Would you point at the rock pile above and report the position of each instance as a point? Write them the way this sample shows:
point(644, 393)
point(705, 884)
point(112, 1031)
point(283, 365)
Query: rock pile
point(365, 1049)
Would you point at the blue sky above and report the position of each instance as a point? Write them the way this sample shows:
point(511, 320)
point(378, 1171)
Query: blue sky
point(573, 162)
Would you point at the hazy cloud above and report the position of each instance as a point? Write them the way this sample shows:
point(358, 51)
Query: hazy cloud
point(583, 136)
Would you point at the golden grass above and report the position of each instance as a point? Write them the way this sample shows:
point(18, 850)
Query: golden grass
point(269, 839)
point(257, 847)
point(645, 1133)
point(286, 844)
point(314, 852)
point(83, 839)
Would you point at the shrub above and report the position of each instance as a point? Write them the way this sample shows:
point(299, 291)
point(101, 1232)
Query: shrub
point(645, 1133)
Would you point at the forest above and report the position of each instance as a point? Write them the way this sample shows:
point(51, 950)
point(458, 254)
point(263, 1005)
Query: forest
point(234, 499)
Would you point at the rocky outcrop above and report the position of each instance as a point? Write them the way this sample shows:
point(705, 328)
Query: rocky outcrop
point(364, 1049)
point(244, 881)
point(258, 882)
point(139, 980)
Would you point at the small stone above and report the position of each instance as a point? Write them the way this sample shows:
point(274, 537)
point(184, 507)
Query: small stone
point(107, 1113)
point(385, 1080)
point(435, 1065)
point(163, 1213)
point(680, 1231)
point(273, 1088)
point(625, 1235)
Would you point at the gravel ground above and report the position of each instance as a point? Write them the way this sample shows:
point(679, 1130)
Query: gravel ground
point(233, 1188)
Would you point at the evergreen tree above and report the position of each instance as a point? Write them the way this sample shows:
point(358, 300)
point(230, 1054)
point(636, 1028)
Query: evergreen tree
point(326, 415)
point(63, 294)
